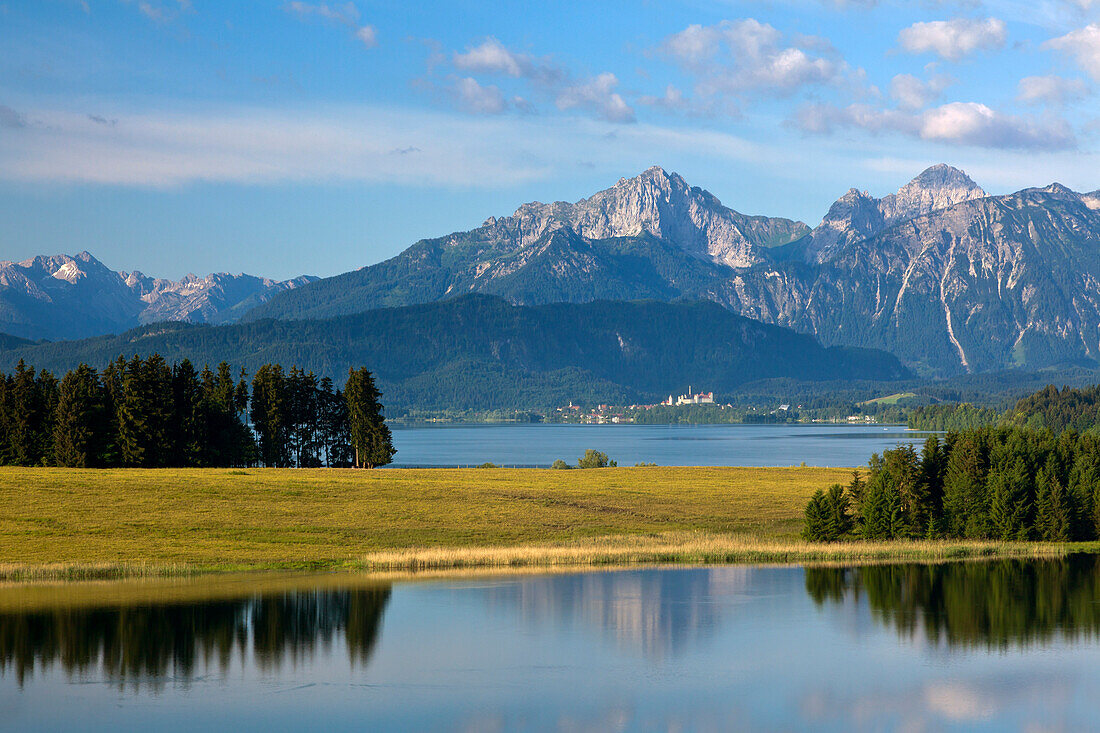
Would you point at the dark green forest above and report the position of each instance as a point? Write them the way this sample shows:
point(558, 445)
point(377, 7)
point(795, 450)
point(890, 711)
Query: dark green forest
point(1050, 408)
point(1005, 483)
point(147, 413)
point(479, 352)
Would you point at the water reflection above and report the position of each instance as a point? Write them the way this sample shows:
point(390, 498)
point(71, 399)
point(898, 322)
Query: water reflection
point(152, 642)
point(656, 613)
point(994, 605)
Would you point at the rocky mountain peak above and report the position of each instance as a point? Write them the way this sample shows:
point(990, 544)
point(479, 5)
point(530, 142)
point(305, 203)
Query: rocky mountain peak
point(937, 187)
point(661, 204)
point(73, 296)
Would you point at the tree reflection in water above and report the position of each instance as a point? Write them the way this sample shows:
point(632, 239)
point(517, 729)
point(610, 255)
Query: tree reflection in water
point(993, 605)
point(150, 642)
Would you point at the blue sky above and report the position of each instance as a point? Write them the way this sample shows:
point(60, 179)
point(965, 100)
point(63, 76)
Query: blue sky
point(282, 138)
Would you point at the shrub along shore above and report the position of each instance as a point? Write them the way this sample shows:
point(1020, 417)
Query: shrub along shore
point(74, 523)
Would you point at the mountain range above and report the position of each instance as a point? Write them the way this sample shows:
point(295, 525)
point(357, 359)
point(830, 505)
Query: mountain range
point(481, 352)
point(63, 297)
point(942, 274)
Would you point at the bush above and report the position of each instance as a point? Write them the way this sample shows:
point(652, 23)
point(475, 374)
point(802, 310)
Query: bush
point(560, 464)
point(645, 465)
point(595, 459)
point(488, 465)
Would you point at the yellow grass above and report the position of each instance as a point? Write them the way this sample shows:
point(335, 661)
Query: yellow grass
point(65, 523)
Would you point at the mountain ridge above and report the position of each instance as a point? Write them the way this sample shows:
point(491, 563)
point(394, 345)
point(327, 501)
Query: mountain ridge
point(71, 296)
point(481, 352)
point(922, 272)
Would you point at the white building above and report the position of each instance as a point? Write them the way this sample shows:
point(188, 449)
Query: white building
point(703, 398)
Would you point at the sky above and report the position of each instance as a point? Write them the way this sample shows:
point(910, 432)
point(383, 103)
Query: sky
point(285, 138)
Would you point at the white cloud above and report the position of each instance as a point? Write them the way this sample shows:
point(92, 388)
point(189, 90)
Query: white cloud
point(478, 99)
point(1051, 90)
point(596, 95)
point(346, 14)
point(953, 39)
point(672, 99)
point(911, 92)
point(1083, 45)
point(957, 123)
point(741, 56)
point(493, 57)
point(367, 35)
point(155, 11)
point(353, 143)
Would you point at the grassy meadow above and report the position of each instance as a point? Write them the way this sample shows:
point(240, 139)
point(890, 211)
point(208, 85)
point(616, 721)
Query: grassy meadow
point(104, 523)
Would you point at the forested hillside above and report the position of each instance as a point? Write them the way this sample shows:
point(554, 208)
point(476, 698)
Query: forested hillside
point(480, 352)
point(1049, 408)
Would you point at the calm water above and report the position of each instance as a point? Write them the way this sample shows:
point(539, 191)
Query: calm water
point(1005, 645)
point(665, 445)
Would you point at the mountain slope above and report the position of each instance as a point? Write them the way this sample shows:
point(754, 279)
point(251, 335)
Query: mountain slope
point(944, 275)
point(481, 352)
point(648, 236)
point(71, 297)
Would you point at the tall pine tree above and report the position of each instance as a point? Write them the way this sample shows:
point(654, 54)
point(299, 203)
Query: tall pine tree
point(371, 442)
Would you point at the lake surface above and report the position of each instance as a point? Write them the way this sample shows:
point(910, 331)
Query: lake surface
point(665, 445)
point(999, 645)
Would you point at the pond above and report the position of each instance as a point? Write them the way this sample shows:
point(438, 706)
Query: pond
point(665, 445)
point(1006, 644)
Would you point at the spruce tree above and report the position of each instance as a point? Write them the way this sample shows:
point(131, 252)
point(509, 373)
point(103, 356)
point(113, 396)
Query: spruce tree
point(186, 427)
point(816, 519)
point(964, 492)
point(81, 424)
point(839, 518)
point(1052, 520)
point(269, 418)
point(1010, 492)
point(883, 513)
point(371, 442)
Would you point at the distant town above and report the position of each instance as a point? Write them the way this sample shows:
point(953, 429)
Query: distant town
point(692, 407)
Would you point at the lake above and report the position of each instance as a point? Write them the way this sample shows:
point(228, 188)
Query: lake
point(665, 445)
point(1006, 644)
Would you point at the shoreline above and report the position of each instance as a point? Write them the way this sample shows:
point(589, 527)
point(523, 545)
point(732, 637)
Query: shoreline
point(614, 552)
point(99, 524)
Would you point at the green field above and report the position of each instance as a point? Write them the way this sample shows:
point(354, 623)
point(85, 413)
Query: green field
point(82, 523)
point(892, 399)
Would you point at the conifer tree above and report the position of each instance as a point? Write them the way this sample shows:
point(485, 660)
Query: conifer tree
point(1010, 493)
point(838, 518)
point(932, 468)
point(186, 426)
point(816, 519)
point(1052, 520)
point(24, 408)
point(371, 442)
point(964, 491)
point(883, 513)
point(269, 418)
point(81, 424)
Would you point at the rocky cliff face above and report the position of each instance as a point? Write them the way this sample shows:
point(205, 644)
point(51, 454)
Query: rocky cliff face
point(986, 283)
point(664, 206)
point(940, 273)
point(73, 297)
point(856, 216)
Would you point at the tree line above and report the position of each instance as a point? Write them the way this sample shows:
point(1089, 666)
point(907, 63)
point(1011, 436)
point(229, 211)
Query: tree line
point(1051, 408)
point(147, 413)
point(1005, 483)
